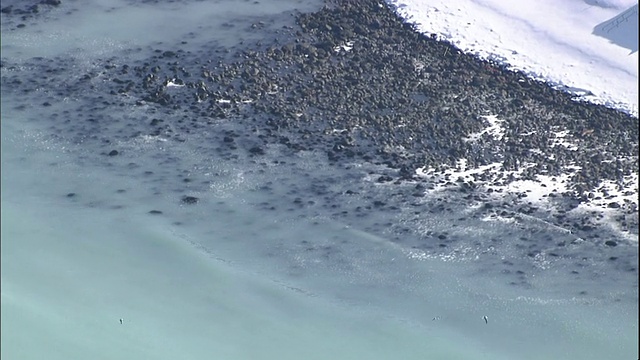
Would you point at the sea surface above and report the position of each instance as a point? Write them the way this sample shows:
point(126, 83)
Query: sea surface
point(102, 259)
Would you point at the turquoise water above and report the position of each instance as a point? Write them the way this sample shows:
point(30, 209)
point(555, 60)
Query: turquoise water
point(227, 280)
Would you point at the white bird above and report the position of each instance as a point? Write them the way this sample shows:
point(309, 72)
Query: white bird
point(436, 318)
point(486, 319)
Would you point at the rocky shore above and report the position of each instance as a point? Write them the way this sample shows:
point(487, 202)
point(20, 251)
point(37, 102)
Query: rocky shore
point(356, 83)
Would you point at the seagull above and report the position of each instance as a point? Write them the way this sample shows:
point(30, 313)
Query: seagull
point(436, 318)
point(486, 319)
point(121, 321)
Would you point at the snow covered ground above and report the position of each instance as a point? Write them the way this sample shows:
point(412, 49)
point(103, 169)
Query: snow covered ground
point(225, 281)
point(587, 47)
point(540, 191)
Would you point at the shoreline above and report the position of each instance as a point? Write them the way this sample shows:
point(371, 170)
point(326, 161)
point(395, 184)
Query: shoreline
point(361, 89)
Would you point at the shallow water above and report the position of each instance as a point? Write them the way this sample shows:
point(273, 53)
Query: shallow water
point(231, 278)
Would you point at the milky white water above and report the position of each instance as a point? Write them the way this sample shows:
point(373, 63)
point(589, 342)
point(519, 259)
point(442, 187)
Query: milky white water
point(227, 281)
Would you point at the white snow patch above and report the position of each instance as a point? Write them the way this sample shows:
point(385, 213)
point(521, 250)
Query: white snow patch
point(560, 140)
point(495, 129)
point(347, 46)
point(149, 139)
point(171, 83)
point(608, 192)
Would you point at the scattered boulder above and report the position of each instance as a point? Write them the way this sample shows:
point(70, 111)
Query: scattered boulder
point(189, 200)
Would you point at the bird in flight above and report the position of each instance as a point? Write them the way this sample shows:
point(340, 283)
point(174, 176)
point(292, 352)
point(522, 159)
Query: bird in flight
point(120, 321)
point(486, 319)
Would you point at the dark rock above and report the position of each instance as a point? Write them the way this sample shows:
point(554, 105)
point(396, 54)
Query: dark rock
point(190, 200)
point(113, 152)
point(155, 212)
point(51, 2)
point(613, 205)
point(611, 243)
point(256, 150)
